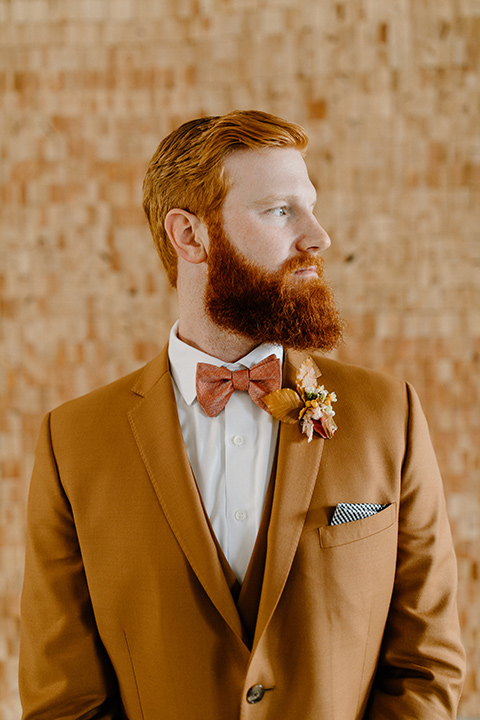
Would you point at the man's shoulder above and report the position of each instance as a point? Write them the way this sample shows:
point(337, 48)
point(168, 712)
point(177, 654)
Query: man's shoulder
point(373, 404)
point(360, 390)
point(123, 392)
point(348, 375)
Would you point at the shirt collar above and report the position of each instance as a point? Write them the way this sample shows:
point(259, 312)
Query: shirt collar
point(183, 359)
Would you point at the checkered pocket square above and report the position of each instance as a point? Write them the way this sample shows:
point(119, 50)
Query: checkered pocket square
point(348, 512)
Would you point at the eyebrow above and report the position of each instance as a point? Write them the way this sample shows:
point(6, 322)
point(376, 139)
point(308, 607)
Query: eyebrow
point(279, 198)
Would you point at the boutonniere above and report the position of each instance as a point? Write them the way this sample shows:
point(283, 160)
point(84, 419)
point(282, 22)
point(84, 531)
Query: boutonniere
point(311, 405)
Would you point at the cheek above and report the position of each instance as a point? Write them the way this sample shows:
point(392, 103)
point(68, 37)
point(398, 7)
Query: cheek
point(263, 247)
point(271, 252)
point(261, 244)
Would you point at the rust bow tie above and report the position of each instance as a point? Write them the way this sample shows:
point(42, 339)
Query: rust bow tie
point(215, 385)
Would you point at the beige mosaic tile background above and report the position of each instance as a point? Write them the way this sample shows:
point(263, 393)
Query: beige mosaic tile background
point(389, 91)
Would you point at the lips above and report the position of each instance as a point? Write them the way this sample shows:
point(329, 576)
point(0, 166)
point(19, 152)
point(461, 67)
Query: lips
point(306, 272)
point(302, 268)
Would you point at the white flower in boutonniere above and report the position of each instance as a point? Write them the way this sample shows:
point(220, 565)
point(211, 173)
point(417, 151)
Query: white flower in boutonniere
point(311, 405)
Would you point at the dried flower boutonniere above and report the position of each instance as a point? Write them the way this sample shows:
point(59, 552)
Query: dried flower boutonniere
point(311, 405)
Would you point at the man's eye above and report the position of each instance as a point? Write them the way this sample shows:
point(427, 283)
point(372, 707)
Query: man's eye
point(279, 211)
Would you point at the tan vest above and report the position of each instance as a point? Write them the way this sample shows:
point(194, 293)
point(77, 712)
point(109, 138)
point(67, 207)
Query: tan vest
point(247, 594)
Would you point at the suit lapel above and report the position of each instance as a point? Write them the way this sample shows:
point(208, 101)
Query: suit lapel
point(297, 470)
point(155, 425)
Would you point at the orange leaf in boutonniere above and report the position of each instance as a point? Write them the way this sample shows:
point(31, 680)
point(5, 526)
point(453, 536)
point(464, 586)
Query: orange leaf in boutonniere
point(311, 405)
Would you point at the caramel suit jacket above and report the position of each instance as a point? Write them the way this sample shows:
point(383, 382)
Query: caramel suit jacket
point(126, 608)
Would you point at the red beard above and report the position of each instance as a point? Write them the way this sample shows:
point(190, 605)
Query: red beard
point(270, 307)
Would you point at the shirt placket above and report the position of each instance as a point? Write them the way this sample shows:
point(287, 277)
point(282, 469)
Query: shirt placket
point(239, 481)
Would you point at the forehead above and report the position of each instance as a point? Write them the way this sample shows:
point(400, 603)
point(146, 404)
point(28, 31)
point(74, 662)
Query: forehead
point(276, 172)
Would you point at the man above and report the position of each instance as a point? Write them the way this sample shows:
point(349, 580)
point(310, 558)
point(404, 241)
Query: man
point(191, 556)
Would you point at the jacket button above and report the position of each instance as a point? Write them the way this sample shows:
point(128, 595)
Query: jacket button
point(255, 694)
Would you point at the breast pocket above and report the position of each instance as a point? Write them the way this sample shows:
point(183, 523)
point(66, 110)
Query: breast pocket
point(335, 535)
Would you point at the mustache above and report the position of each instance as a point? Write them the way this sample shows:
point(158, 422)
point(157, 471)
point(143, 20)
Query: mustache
point(301, 262)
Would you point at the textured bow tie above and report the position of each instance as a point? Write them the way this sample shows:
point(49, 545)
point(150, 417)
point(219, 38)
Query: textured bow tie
point(215, 385)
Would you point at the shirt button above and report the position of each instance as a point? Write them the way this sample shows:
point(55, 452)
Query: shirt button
point(255, 694)
point(238, 440)
point(241, 515)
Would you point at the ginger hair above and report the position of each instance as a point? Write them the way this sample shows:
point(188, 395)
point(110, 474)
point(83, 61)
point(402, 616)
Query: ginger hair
point(187, 169)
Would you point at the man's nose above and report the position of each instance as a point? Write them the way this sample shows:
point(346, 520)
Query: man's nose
point(312, 238)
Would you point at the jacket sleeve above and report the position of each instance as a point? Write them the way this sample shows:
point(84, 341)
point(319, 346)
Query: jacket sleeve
point(64, 670)
point(421, 667)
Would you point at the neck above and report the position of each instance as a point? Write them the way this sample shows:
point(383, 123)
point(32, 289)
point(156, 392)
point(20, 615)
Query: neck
point(209, 338)
point(196, 329)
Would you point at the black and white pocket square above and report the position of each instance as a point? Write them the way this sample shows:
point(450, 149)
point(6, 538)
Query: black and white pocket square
point(348, 512)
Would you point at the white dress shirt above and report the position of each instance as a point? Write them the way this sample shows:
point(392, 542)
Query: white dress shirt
point(231, 455)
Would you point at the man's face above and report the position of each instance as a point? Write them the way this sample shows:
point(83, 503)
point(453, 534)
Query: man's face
point(264, 272)
point(268, 211)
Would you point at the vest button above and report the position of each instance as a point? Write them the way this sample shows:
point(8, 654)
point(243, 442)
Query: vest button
point(255, 694)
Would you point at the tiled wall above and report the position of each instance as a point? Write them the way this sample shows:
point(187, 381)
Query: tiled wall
point(390, 94)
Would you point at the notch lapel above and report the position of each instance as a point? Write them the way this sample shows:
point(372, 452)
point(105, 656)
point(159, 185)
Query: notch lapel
point(157, 431)
point(297, 471)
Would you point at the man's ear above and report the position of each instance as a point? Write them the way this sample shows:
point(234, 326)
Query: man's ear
point(188, 235)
